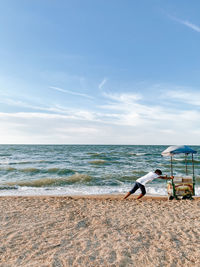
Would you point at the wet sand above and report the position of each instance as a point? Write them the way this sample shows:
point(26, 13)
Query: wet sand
point(99, 231)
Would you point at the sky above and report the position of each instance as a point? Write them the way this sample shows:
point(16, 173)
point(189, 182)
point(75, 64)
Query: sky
point(100, 72)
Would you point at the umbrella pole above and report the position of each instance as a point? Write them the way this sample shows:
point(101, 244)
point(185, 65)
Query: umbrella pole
point(171, 167)
point(193, 174)
point(173, 185)
point(186, 171)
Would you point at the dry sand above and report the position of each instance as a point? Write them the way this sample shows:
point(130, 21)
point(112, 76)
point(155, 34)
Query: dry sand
point(99, 231)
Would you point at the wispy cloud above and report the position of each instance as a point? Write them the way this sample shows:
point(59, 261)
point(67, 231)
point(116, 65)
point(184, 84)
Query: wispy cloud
point(130, 111)
point(26, 128)
point(126, 117)
point(102, 83)
point(57, 111)
point(187, 97)
point(123, 97)
point(70, 92)
point(187, 24)
point(191, 25)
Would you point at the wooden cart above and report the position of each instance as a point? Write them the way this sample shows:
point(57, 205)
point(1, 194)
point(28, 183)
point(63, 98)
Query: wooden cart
point(181, 186)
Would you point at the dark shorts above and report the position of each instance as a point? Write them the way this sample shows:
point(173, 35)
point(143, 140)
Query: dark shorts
point(136, 186)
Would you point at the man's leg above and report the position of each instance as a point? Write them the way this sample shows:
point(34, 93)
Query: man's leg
point(140, 196)
point(142, 188)
point(132, 190)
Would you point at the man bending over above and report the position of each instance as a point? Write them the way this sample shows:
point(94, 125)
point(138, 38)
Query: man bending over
point(140, 183)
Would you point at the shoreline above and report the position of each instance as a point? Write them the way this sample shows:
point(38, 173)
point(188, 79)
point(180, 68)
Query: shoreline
point(96, 197)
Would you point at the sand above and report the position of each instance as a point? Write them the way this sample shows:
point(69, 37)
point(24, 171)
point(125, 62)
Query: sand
point(99, 231)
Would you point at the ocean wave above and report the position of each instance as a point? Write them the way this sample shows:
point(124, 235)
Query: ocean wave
point(8, 169)
point(96, 154)
point(7, 187)
point(77, 178)
point(99, 156)
point(59, 171)
point(188, 160)
point(142, 154)
point(30, 162)
point(45, 182)
point(117, 162)
point(36, 183)
point(139, 173)
point(127, 178)
point(98, 162)
point(92, 153)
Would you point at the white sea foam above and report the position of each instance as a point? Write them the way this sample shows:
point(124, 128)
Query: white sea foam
point(82, 190)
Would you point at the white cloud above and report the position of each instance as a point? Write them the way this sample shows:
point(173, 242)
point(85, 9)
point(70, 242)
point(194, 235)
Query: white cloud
point(102, 83)
point(129, 111)
point(54, 128)
point(156, 117)
point(125, 98)
point(70, 92)
point(122, 118)
point(191, 97)
point(167, 131)
point(73, 115)
point(43, 128)
point(187, 24)
point(190, 25)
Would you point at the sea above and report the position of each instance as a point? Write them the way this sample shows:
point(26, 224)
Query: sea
point(86, 169)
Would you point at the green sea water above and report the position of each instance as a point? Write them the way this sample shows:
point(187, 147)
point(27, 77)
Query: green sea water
point(85, 169)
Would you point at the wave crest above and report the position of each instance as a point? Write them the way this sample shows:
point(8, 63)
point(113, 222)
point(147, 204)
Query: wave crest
point(30, 171)
point(98, 162)
point(45, 182)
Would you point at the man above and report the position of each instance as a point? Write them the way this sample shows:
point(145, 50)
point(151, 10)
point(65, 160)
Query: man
point(140, 183)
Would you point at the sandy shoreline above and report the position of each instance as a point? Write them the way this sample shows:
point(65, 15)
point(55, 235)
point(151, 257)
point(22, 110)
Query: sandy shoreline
point(99, 231)
point(99, 196)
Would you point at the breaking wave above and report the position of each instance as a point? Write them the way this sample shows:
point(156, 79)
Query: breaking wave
point(45, 182)
point(59, 171)
point(98, 162)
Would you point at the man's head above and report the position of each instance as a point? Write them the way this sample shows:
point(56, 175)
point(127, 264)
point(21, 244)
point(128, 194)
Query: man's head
point(158, 172)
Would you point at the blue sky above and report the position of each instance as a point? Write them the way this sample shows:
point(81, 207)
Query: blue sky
point(100, 72)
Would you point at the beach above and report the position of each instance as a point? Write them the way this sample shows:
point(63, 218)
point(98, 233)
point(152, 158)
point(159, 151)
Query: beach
point(99, 231)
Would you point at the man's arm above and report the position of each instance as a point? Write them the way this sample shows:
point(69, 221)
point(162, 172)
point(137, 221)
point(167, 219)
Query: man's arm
point(166, 177)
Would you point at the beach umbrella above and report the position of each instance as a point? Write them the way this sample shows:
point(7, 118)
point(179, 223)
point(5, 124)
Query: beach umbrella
point(172, 150)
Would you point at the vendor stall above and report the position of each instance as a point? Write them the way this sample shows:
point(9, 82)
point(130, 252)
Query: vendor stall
point(184, 185)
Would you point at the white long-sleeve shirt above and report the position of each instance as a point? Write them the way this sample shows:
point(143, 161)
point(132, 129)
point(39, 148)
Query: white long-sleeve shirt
point(147, 178)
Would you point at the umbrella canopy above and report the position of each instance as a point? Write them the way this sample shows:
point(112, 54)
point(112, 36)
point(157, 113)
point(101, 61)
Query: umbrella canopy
point(172, 150)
